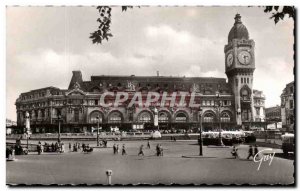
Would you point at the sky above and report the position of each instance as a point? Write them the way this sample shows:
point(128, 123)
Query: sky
point(45, 44)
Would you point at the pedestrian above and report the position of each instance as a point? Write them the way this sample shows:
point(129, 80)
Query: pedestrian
point(161, 150)
point(123, 150)
point(83, 147)
point(39, 149)
point(70, 146)
point(250, 152)
point(141, 152)
point(62, 147)
point(148, 145)
point(157, 150)
point(255, 150)
point(234, 152)
point(74, 148)
point(174, 139)
point(115, 149)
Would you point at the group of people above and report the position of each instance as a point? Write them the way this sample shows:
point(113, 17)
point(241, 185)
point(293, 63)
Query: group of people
point(159, 149)
point(47, 147)
point(77, 146)
point(251, 152)
point(116, 149)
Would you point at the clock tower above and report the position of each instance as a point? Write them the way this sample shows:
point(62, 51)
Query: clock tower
point(239, 67)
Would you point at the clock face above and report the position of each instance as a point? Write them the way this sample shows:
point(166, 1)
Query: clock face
point(229, 59)
point(244, 57)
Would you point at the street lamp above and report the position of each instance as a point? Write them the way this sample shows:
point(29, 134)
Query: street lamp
point(27, 122)
point(266, 127)
point(200, 138)
point(238, 116)
point(98, 130)
point(59, 118)
point(219, 114)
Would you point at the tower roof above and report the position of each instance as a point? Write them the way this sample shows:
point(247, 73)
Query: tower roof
point(238, 31)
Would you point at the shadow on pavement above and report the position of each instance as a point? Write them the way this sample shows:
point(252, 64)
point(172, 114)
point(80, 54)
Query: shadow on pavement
point(282, 155)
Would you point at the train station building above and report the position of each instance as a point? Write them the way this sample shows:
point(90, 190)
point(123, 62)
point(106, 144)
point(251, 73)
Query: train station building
point(229, 103)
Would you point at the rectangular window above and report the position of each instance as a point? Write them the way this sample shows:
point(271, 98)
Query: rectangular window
point(203, 102)
point(76, 115)
point(225, 102)
point(291, 104)
point(207, 102)
point(96, 102)
point(247, 80)
point(242, 81)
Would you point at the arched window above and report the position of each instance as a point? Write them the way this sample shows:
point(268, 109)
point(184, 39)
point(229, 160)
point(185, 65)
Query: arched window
point(145, 117)
point(94, 115)
point(115, 117)
point(208, 118)
point(225, 117)
point(181, 117)
point(163, 117)
point(245, 94)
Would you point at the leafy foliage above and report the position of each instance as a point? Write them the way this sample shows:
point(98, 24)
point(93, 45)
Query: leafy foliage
point(103, 32)
point(279, 15)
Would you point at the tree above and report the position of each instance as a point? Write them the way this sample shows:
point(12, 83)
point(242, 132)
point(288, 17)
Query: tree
point(103, 32)
point(277, 14)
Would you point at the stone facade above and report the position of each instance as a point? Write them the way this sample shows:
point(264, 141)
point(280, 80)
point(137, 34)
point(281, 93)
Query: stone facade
point(288, 106)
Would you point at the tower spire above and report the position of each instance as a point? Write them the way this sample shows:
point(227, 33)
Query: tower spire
point(237, 18)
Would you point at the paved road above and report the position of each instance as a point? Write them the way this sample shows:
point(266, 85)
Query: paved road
point(79, 168)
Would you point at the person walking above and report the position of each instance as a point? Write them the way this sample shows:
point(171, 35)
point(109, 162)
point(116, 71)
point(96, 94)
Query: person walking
point(141, 152)
point(161, 150)
point(115, 149)
point(83, 147)
point(255, 150)
point(234, 152)
point(70, 146)
point(157, 150)
point(74, 148)
point(250, 152)
point(123, 150)
point(148, 145)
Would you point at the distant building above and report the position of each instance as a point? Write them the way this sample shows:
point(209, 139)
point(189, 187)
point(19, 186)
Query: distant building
point(10, 124)
point(259, 106)
point(288, 106)
point(273, 114)
point(273, 117)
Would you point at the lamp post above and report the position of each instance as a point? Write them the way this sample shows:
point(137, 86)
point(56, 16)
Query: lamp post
point(27, 122)
point(219, 114)
point(59, 118)
point(266, 127)
point(200, 138)
point(98, 130)
point(238, 114)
